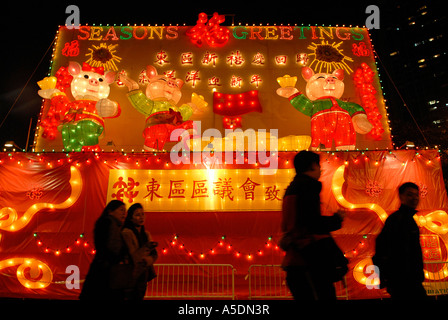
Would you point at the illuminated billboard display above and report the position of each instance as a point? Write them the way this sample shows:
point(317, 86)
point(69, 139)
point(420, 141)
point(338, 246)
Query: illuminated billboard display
point(129, 87)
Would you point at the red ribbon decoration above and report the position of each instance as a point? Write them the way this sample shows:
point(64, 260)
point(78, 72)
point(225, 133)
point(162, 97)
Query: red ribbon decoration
point(88, 67)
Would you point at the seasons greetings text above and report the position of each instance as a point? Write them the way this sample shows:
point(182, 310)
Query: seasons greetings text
point(111, 33)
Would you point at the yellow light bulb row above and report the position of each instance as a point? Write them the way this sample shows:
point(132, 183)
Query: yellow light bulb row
point(221, 245)
point(80, 243)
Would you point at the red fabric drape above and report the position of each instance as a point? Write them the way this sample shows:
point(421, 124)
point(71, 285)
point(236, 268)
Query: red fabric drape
point(49, 203)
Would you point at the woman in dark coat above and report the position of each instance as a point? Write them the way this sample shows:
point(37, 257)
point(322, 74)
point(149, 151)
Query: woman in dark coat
point(110, 251)
point(141, 250)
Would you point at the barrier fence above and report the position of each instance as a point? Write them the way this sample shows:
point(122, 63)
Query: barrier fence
point(217, 281)
point(436, 275)
point(192, 281)
point(269, 282)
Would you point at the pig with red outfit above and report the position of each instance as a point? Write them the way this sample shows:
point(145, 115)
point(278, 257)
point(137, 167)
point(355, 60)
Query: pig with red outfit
point(80, 120)
point(331, 119)
point(159, 105)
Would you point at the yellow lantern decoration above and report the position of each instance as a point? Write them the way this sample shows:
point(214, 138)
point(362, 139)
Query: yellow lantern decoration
point(287, 81)
point(47, 83)
point(199, 101)
point(294, 143)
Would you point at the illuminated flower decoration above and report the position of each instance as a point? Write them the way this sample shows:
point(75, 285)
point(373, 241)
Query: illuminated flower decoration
point(35, 193)
point(423, 190)
point(210, 32)
point(103, 56)
point(373, 188)
point(328, 57)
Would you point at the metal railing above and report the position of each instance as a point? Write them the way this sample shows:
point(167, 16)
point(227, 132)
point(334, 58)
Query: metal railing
point(436, 278)
point(210, 281)
point(192, 281)
point(269, 282)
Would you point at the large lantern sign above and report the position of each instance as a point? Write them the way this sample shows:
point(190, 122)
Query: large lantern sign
point(210, 60)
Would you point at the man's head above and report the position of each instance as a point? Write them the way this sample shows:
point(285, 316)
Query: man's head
point(409, 194)
point(308, 163)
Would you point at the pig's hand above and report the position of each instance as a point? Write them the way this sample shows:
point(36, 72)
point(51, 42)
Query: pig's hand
point(361, 124)
point(106, 108)
point(47, 93)
point(286, 92)
point(198, 103)
point(128, 82)
point(195, 108)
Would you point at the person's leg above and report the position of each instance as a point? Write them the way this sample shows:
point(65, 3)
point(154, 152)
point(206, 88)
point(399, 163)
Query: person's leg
point(299, 283)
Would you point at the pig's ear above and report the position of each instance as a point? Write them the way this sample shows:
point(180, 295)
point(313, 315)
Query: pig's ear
point(179, 83)
point(74, 68)
point(110, 76)
point(151, 72)
point(339, 73)
point(307, 73)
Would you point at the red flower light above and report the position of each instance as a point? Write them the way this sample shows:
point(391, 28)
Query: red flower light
point(210, 32)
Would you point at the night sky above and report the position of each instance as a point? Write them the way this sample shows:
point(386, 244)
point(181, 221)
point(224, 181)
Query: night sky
point(28, 29)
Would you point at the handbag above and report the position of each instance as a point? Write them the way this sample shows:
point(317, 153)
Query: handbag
point(151, 270)
point(294, 240)
point(324, 254)
point(151, 273)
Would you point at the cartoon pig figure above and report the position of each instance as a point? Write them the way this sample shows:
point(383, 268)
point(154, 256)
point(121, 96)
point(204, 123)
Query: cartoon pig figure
point(159, 105)
point(331, 118)
point(81, 120)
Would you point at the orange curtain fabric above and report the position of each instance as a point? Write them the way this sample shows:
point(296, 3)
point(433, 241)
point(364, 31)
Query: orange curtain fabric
point(49, 203)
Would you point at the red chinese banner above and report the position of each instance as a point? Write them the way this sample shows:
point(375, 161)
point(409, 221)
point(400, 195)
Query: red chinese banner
point(200, 190)
point(431, 248)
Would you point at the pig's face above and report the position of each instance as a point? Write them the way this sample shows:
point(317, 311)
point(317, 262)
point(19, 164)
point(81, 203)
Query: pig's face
point(323, 84)
point(88, 84)
point(161, 87)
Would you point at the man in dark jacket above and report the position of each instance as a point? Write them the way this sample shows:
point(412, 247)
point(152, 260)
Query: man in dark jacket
point(308, 272)
point(398, 252)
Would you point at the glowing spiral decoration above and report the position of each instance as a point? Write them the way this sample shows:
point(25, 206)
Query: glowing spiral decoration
point(12, 223)
point(31, 273)
point(336, 186)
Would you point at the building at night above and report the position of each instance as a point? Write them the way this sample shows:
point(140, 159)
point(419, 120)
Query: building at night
point(412, 46)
